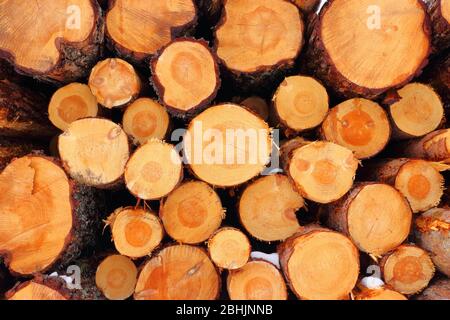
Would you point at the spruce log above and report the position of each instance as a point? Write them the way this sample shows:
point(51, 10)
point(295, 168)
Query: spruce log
point(439, 11)
point(258, 41)
point(419, 181)
point(374, 215)
point(432, 234)
point(256, 104)
point(229, 248)
point(319, 264)
point(381, 293)
point(46, 219)
point(257, 280)
point(185, 75)
point(435, 146)
point(307, 6)
point(268, 207)
point(136, 30)
point(23, 112)
point(415, 110)
point(59, 41)
point(341, 48)
point(41, 287)
point(439, 290)
point(178, 272)
point(359, 125)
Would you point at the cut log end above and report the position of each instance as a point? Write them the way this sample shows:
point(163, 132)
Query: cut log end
point(40, 288)
point(114, 83)
point(128, 24)
point(421, 183)
point(257, 280)
point(144, 120)
point(268, 206)
point(417, 112)
point(379, 294)
point(70, 103)
point(135, 232)
point(359, 125)
point(229, 248)
point(94, 151)
point(153, 171)
point(268, 34)
point(237, 147)
point(186, 76)
point(192, 212)
point(320, 264)
point(178, 272)
point(408, 269)
point(301, 103)
point(307, 6)
point(322, 171)
point(116, 277)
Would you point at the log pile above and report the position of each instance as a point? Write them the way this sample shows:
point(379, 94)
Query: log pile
point(224, 149)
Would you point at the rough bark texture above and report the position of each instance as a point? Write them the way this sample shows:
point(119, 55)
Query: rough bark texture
point(384, 171)
point(438, 76)
point(210, 10)
point(421, 148)
point(75, 60)
point(23, 112)
point(11, 148)
point(441, 27)
point(439, 290)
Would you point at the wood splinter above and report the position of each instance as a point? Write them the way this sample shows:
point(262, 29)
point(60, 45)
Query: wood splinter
point(229, 248)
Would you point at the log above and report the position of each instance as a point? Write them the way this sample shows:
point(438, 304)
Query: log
point(256, 104)
point(115, 83)
point(11, 148)
point(229, 248)
point(268, 33)
point(136, 232)
point(210, 10)
point(70, 103)
point(227, 145)
point(307, 6)
point(136, 30)
point(192, 212)
point(116, 277)
point(23, 112)
point(439, 290)
point(374, 215)
point(342, 53)
point(47, 220)
point(299, 104)
point(94, 152)
point(153, 171)
point(64, 46)
point(41, 287)
point(178, 272)
point(257, 280)
point(145, 119)
point(185, 75)
point(322, 172)
point(435, 146)
point(382, 293)
point(268, 207)
point(419, 181)
point(431, 230)
point(438, 76)
point(415, 110)
point(408, 269)
point(359, 125)
point(439, 11)
point(319, 264)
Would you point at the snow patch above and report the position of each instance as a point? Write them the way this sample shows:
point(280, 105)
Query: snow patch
point(272, 258)
point(372, 282)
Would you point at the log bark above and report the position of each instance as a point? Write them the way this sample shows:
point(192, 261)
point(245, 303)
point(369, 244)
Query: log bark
point(319, 264)
point(374, 215)
point(32, 185)
point(438, 76)
point(439, 11)
point(68, 44)
point(136, 30)
point(41, 287)
point(11, 148)
point(256, 104)
point(185, 75)
point(23, 112)
point(192, 212)
point(419, 181)
point(382, 293)
point(357, 67)
point(431, 230)
point(359, 125)
point(257, 280)
point(435, 146)
point(439, 290)
point(178, 272)
point(415, 110)
point(210, 10)
point(257, 42)
point(268, 207)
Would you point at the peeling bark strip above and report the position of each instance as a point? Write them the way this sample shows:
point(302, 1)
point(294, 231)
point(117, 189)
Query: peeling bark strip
point(258, 41)
point(57, 43)
point(439, 11)
point(23, 112)
point(29, 187)
point(136, 30)
point(378, 56)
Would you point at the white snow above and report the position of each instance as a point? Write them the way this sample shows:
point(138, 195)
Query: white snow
point(272, 258)
point(372, 282)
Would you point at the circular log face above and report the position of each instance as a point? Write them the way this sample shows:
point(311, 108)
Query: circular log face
point(36, 291)
point(258, 34)
point(380, 294)
point(229, 248)
point(36, 213)
point(373, 50)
